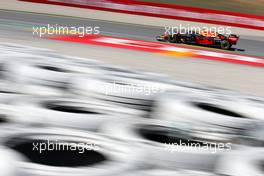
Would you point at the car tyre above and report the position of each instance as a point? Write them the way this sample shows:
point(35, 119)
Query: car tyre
point(173, 39)
point(225, 45)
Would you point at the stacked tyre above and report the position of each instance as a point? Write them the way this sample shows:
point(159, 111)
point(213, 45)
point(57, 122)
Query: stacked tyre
point(47, 98)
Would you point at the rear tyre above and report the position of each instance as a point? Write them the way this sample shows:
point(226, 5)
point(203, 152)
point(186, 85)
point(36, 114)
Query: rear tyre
point(173, 39)
point(225, 45)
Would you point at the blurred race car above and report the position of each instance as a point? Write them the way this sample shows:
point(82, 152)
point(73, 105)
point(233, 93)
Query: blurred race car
point(204, 38)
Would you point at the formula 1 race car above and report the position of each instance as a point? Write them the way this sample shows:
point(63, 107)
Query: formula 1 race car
point(204, 38)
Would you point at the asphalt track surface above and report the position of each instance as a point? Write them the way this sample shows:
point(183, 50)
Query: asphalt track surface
point(16, 27)
point(132, 31)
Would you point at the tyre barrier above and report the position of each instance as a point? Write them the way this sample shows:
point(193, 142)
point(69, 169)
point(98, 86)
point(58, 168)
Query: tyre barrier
point(62, 152)
point(41, 89)
point(12, 88)
point(253, 99)
point(7, 90)
point(255, 103)
point(126, 92)
point(7, 162)
point(6, 114)
point(42, 76)
point(242, 162)
point(255, 137)
point(238, 96)
point(39, 55)
point(39, 73)
point(163, 172)
point(71, 112)
point(168, 146)
point(9, 119)
point(233, 116)
point(137, 91)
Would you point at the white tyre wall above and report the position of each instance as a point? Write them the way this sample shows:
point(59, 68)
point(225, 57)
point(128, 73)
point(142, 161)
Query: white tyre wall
point(254, 137)
point(205, 110)
point(7, 87)
point(42, 91)
point(253, 104)
point(7, 161)
point(50, 74)
point(71, 112)
point(121, 87)
point(163, 172)
point(243, 162)
point(21, 51)
point(105, 157)
point(156, 139)
point(137, 93)
point(117, 91)
point(9, 119)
